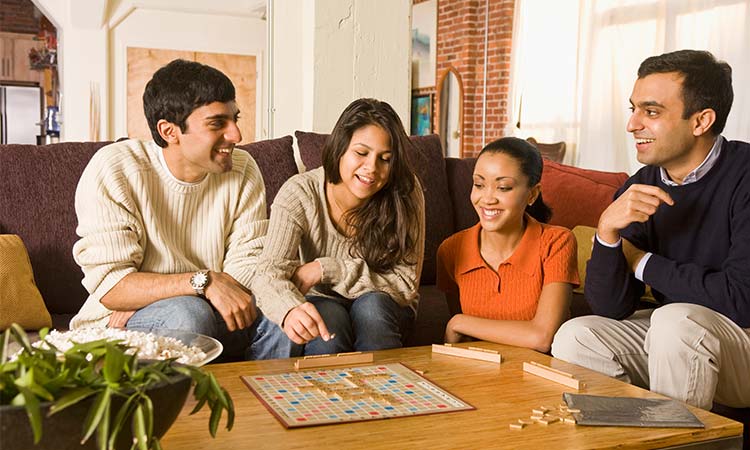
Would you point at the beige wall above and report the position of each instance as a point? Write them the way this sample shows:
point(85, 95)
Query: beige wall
point(94, 34)
point(327, 53)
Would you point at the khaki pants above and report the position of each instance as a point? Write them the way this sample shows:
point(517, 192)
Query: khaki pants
point(684, 351)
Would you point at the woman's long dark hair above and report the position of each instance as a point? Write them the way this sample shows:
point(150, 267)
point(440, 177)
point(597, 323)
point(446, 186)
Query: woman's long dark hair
point(382, 225)
point(530, 160)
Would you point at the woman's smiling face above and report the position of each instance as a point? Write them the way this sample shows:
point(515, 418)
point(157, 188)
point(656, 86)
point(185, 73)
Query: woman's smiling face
point(365, 166)
point(501, 192)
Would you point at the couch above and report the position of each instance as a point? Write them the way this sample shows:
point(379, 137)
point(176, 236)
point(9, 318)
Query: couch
point(38, 185)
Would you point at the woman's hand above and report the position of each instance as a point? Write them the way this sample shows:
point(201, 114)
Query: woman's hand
point(306, 276)
point(303, 324)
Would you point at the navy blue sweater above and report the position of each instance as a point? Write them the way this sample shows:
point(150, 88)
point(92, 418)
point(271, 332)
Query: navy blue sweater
point(700, 246)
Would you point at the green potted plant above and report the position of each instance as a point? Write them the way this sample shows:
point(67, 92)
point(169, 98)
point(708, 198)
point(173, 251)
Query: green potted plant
point(100, 386)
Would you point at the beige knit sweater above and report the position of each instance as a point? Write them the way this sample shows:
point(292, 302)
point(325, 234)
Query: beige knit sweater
point(133, 215)
point(301, 231)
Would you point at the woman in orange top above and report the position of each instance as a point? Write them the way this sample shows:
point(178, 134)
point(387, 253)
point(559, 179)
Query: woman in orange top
point(512, 273)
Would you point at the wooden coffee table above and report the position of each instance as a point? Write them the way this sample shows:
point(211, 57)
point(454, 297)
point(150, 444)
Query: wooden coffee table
point(501, 394)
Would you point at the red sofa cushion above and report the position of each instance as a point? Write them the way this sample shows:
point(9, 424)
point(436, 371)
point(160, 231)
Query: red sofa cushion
point(577, 196)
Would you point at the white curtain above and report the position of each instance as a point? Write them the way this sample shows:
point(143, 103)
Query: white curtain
point(613, 37)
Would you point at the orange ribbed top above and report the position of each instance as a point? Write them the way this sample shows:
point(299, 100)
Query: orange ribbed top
point(546, 254)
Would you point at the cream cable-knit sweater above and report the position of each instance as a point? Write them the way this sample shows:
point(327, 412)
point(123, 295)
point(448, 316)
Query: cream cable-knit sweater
point(301, 231)
point(134, 216)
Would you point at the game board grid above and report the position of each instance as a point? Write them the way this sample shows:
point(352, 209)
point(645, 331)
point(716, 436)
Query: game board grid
point(293, 398)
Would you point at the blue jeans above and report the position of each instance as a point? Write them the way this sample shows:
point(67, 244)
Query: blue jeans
point(261, 340)
point(373, 321)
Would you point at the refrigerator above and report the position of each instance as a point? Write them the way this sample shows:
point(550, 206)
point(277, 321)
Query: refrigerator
point(20, 114)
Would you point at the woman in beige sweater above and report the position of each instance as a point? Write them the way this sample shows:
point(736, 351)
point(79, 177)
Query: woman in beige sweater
point(341, 263)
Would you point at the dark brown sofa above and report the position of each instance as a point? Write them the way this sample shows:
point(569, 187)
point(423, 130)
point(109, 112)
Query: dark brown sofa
point(38, 185)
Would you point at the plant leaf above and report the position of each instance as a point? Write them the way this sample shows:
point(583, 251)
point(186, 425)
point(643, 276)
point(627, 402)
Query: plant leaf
point(148, 415)
point(139, 428)
point(114, 362)
point(230, 411)
point(28, 382)
point(71, 398)
point(28, 400)
point(218, 391)
point(198, 406)
point(103, 428)
point(20, 336)
point(4, 347)
point(201, 387)
point(125, 411)
point(213, 423)
point(96, 413)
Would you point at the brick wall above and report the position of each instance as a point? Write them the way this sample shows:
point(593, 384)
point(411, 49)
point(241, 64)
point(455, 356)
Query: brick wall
point(460, 44)
point(18, 16)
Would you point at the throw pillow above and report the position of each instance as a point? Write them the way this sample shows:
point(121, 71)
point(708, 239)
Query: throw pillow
point(275, 159)
point(578, 196)
point(585, 238)
point(20, 300)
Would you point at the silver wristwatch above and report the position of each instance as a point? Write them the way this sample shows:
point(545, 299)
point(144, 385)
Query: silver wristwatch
point(199, 281)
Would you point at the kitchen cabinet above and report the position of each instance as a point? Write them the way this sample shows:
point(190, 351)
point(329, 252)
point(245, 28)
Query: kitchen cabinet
point(14, 58)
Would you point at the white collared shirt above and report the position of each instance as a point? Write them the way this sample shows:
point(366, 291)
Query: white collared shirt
point(697, 173)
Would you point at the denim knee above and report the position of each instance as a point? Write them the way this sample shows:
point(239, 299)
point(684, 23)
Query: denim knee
point(336, 317)
point(375, 306)
point(187, 313)
point(379, 322)
point(268, 341)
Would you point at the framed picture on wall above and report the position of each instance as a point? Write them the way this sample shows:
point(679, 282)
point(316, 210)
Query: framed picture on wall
point(421, 114)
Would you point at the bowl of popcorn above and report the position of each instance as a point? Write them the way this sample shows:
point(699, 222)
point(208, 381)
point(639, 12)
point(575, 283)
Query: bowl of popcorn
point(185, 347)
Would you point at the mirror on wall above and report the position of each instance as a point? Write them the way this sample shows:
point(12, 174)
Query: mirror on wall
point(451, 105)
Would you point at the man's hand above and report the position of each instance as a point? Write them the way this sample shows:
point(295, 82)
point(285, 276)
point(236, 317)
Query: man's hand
point(119, 319)
point(636, 204)
point(306, 276)
point(233, 301)
point(303, 324)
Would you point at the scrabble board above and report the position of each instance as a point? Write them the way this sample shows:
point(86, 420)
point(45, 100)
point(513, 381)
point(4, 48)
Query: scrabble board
point(340, 395)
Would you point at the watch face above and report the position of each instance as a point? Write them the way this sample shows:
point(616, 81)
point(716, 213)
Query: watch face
point(199, 280)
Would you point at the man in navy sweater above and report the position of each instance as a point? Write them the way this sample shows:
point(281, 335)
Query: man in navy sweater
point(681, 224)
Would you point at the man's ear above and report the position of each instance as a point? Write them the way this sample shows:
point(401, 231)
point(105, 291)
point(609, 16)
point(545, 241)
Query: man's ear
point(168, 131)
point(702, 121)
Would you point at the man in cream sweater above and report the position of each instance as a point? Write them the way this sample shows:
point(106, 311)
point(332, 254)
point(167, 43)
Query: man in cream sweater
point(171, 228)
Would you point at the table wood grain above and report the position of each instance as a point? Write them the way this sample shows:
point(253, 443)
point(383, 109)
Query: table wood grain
point(502, 393)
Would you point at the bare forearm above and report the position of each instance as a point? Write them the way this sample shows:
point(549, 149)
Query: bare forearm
point(139, 289)
point(521, 333)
